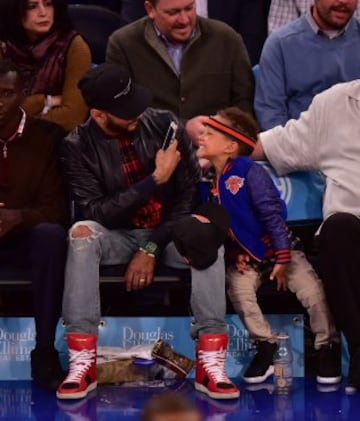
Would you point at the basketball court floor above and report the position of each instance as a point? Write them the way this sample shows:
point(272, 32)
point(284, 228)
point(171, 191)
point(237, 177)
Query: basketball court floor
point(21, 400)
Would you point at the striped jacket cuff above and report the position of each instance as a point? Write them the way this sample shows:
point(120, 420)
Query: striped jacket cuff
point(282, 257)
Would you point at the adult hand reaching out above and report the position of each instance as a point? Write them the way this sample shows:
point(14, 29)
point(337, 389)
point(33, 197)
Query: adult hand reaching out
point(195, 127)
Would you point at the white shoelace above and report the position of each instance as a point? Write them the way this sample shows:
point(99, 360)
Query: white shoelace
point(213, 362)
point(80, 361)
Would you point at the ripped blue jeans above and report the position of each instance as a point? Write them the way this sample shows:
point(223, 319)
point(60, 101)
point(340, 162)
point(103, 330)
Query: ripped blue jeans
point(81, 301)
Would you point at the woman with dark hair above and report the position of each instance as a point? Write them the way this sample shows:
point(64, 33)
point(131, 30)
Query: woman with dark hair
point(38, 36)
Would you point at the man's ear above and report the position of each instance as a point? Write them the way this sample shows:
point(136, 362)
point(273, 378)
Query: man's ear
point(98, 115)
point(149, 7)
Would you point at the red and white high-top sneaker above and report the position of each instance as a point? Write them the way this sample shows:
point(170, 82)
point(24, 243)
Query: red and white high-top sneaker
point(82, 372)
point(210, 375)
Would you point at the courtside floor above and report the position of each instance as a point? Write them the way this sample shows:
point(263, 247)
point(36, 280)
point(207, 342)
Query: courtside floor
point(21, 400)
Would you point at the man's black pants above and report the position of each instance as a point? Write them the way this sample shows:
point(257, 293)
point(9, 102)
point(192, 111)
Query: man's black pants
point(42, 250)
point(340, 272)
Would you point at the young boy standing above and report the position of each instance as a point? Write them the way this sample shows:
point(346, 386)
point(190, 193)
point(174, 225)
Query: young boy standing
point(259, 239)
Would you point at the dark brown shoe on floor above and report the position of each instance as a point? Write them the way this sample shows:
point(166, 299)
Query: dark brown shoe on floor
point(46, 370)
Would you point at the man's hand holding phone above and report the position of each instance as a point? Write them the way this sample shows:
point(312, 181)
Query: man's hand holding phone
point(166, 162)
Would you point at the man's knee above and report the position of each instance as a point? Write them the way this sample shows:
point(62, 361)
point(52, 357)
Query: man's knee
point(85, 230)
point(49, 229)
point(81, 231)
point(85, 236)
point(339, 222)
point(48, 242)
point(47, 235)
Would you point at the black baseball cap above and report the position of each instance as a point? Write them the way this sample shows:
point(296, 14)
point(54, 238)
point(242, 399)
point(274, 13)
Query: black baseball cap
point(199, 241)
point(109, 87)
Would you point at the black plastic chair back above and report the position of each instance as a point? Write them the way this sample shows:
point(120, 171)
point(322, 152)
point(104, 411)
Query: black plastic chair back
point(95, 24)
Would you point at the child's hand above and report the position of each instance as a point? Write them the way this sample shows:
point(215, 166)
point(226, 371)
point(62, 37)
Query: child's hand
point(278, 272)
point(241, 262)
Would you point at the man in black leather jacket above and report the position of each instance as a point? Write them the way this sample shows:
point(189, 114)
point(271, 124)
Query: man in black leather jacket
point(131, 192)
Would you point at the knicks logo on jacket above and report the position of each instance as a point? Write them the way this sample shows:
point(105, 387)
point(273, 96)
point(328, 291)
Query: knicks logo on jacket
point(251, 199)
point(234, 184)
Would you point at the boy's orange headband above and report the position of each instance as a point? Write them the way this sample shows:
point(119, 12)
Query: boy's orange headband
point(236, 134)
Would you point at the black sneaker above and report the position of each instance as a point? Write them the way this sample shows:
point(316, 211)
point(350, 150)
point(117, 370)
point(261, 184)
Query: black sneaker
point(329, 360)
point(46, 370)
point(261, 366)
point(353, 385)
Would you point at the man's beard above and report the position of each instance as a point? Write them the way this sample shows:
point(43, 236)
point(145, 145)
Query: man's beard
point(115, 128)
point(335, 25)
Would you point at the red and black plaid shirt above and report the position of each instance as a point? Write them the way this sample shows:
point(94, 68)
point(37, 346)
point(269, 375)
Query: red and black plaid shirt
point(148, 216)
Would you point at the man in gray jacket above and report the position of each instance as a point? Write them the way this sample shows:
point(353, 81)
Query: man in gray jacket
point(192, 65)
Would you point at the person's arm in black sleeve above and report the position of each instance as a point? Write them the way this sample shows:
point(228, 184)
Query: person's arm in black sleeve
point(88, 191)
point(185, 180)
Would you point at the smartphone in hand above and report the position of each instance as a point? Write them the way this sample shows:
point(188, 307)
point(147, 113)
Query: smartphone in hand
point(170, 135)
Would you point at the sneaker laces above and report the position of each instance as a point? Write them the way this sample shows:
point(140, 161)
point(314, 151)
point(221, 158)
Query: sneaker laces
point(80, 362)
point(214, 363)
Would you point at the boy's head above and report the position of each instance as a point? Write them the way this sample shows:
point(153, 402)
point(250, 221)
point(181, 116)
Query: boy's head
point(170, 407)
point(228, 134)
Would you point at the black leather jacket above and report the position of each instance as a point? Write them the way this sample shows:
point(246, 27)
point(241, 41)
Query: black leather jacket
point(92, 163)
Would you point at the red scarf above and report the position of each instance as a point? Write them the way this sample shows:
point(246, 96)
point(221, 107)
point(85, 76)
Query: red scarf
point(43, 63)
